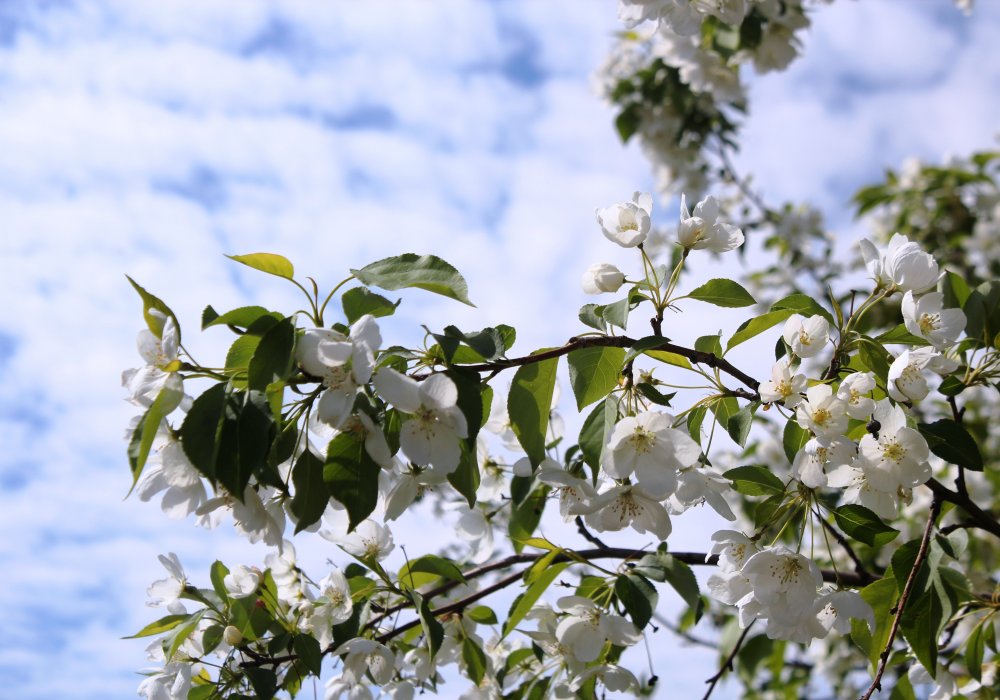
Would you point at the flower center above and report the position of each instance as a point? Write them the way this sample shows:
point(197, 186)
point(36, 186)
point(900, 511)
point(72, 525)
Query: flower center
point(929, 322)
point(892, 450)
point(786, 570)
point(821, 416)
point(642, 440)
point(805, 338)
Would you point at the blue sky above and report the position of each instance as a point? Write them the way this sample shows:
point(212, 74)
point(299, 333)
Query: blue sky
point(152, 138)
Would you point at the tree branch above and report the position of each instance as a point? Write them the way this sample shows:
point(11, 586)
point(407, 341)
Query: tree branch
point(727, 665)
point(620, 341)
point(977, 516)
point(903, 597)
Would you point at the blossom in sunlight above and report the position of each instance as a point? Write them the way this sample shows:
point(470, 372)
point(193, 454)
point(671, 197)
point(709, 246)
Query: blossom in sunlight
point(836, 609)
point(822, 412)
point(367, 655)
point(171, 472)
point(473, 527)
point(907, 382)
point(159, 375)
point(171, 683)
point(587, 627)
point(696, 486)
point(783, 386)
point(898, 456)
point(927, 318)
point(627, 505)
point(602, 277)
point(807, 337)
point(903, 265)
point(431, 434)
point(342, 363)
point(702, 230)
point(649, 447)
point(241, 581)
point(575, 493)
point(627, 224)
point(853, 391)
point(368, 541)
point(167, 592)
point(332, 607)
point(819, 455)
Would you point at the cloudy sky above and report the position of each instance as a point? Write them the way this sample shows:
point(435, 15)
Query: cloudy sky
point(150, 138)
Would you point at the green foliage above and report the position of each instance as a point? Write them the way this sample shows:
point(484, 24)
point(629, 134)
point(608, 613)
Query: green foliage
point(427, 272)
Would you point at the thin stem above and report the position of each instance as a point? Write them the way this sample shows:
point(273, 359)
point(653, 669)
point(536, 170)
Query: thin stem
point(727, 665)
point(904, 596)
point(330, 296)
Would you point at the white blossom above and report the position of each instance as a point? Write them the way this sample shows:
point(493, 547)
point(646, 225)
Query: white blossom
point(784, 385)
point(903, 265)
point(473, 528)
point(898, 456)
point(835, 610)
point(587, 627)
point(702, 230)
point(696, 486)
point(367, 655)
point(927, 318)
point(172, 683)
point(159, 375)
point(628, 505)
point(167, 592)
point(369, 540)
point(853, 390)
point(806, 337)
point(241, 581)
point(820, 455)
point(822, 412)
point(575, 494)
point(646, 445)
point(627, 224)
point(602, 277)
point(431, 434)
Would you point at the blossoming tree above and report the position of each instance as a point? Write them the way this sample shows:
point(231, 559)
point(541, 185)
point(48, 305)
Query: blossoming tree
point(863, 547)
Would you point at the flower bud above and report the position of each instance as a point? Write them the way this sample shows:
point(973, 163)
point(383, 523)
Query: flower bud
point(602, 277)
point(232, 636)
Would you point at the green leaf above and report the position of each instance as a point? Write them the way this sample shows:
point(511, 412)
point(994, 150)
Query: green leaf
point(526, 600)
point(955, 289)
point(181, 634)
point(651, 393)
point(682, 579)
point(482, 615)
point(738, 424)
point(881, 596)
point(592, 315)
point(466, 477)
point(351, 477)
point(709, 343)
point(756, 326)
point(264, 682)
point(755, 480)
point(360, 301)
point(427, 272)
point(430, 564)
point(529, 403)
point(793, 439)
point(864, 525)
point(311, 492)
point(974, 648)
point(267, 262)
point(525, 516)
point(921, 625)
point(308, 650)
point(900, 336)
point(594, 372)
point(470, 400)
point(595, 428)
point(164, 624)
point(243, 317)
point(152, 303)
point(951, 442)
point(202, 427)
point(723, 292)
point(433, 630)
point(218, 574)
point(638, 596)
point(802, 304)
point(274, 358)
point(145, 433)
point(642, 345)
point(475, 660)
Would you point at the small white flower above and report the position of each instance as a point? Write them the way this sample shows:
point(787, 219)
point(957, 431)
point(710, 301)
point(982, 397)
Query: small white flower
point(167, 592)
point(897, 458)
point(853, 392)
point(575, 494)
point(615, 678)
point(602, 277)
point(474, 528)
point(333, 607)
point(587, 627)
point(172, 683)
point(159, 375)
point(627, 224)
point(646, 445)
point(906, 380)
point(806, 337)
point(781, 577)
point(835, 610)
point(241, 581)
point(908, 266)
point(927, 318)
point(702, 486)
point(945, 687)
point(431, 434)
point(783, 386)
point(342, 363)
point(369, 540)
point(701, 230)
point(628, 505)
point(822, 412)
point(819, 455)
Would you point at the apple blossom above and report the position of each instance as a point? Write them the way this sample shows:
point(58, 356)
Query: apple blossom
point(167, 592)
point(822, 412)
point(806, 337)
point(369, 540)
point(821, 454)
point(627, 224)
point(646, 445)
point(602, 277)
point(241, 581)
point(701, 230)
point(853, 390)
point(587, 627)
point(783, 386)
point(431, 434)
point(927, 318)
point(628, 505)
point(159, 376)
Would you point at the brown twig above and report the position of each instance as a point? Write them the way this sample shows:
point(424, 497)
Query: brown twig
point(903, 597)
point(727, 665)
